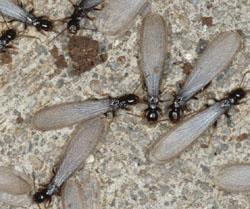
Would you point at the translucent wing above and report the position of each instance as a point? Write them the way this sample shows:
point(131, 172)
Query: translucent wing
point(172, 144)
point(117, 16)
point(22, 200)
point(11, 10)
point(234, 178)
point(15, 188)
point(72, 196)
point(216, 58)
point(153, 51)
point(91, 193)
point(13, 182)
point(67, 114)
point(88, 4)
point(79, 148)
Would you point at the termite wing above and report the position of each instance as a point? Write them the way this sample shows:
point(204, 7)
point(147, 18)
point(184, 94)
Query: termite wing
point(117, 16)
point(214, 59)
point(81, 11)
point(84, 196)
point(81, 145)
point(153, 53)
point(234, 178)
point(67, 114)
point(72, 196)
point(10, 9)
point(15, 187)
point(173, 143)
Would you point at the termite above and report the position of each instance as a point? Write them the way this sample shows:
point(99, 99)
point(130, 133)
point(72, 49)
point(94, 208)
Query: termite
point(67, 114)
point(173, 143)
point(214, 60)
point(81, 11)
point(15, 12)
point(82, 144)
point(153, 53)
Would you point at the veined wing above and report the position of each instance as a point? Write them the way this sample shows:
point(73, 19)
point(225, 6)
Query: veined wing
point(72, 196)
point(117, 16)
point(82, 144)
point(234, 178)
point(67, 114)
point(153, 51)
point(172, 144)
point(216, 58)
point(88, 4)
point(11, 10)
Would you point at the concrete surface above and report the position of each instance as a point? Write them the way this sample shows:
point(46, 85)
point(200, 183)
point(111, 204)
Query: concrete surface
point(127, 180)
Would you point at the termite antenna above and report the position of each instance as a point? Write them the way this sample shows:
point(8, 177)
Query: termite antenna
point(132, 114)
point(243, 79)
point(60, 33)
point(28, 36)
point(5, 21)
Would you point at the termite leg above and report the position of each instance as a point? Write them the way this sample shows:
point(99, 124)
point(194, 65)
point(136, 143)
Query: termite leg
point(215, 124)
point(195, 98)
point(90, 18)
point(205, 87)
point(73, 4)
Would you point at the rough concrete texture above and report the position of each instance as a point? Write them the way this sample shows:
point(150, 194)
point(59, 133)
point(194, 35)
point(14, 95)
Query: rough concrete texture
point(127, 180)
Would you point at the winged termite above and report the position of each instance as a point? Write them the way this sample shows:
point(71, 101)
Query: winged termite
point(82, 144)
point(67, 114)
point(81, 11)
point(172, 144)
point(214, 60)
point(153, 53)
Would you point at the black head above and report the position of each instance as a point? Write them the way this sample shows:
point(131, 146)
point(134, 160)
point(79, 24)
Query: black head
point(73, 26)
point(174, 115)
point(45, 25)
point(41, 196)
point(10, 34)
point(152, 115)
point(129, 99)
point(237, 94)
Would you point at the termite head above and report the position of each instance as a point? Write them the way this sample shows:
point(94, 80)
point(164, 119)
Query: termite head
point(42, 24)
point(152, 114)
point(176, 109)
point(73, 26)
point(236, 95)
point(10, 35)
point(42, 196)
point(174, 115)
point(131, 99)
point(128, 99)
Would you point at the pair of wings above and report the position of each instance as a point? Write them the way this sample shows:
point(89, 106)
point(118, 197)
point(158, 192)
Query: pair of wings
point(10, 9)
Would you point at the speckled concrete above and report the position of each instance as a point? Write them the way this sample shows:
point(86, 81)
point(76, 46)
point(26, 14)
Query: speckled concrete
point(127, 180)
